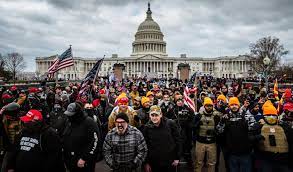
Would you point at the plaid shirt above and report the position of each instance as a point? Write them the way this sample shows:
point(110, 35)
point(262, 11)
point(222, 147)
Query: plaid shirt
point(124, 149)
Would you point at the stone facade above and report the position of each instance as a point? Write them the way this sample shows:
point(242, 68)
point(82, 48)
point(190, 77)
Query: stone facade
point(149, 58)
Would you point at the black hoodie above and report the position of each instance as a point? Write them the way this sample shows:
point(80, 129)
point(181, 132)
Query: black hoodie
point(164, 143)
point(37, 151)
point(81, 140)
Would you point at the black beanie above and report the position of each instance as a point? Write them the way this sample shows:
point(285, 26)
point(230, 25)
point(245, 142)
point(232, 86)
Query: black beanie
point(122, 116)
point(252, 105)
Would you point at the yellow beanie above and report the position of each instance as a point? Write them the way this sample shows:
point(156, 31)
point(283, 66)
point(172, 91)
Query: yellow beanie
point(234, 101)
point(207, 101)
point(222, 97)
point(122, 95)
point(149, 93)
point(144, 100)
point(269, 109)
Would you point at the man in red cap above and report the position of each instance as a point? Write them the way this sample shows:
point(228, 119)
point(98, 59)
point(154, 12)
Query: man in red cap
point(38, 147)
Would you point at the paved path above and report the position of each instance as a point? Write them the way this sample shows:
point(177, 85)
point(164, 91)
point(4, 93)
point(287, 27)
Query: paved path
point(102, 167)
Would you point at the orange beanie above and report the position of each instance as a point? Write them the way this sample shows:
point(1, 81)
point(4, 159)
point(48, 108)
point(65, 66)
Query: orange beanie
point(233, 101)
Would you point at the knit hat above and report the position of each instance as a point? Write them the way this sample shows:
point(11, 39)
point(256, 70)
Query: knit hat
point(233, 101)
point(144, 100)
point(122, 96)
point(269, 109)
point(267, 103)
point(122, 116)
point(222, 97)
point(149, 93)
point(252, 105)
point(207, 101)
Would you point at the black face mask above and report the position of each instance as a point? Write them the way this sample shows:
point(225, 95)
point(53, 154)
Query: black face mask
point(103, 103)
point(90, 112)
point(146, 109)
point(76, 118)
point(33, 126)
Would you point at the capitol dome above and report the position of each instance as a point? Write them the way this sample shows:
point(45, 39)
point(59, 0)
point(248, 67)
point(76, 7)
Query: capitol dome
point(149, 38)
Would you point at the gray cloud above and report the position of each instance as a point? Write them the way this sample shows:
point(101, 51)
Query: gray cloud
point(202, 28)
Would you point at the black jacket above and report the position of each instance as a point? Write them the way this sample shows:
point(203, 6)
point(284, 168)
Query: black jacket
point(164, 144)
point(37, 151)
point(81, 141)
point(236, 134)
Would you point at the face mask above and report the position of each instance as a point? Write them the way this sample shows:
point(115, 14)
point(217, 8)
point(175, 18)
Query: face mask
point(103, 103)
point(89, 112)
point(33, 126)
point(75, 118)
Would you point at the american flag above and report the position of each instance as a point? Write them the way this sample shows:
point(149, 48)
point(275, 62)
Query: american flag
point(90, 77)
point(62, 61)
point(187, 99)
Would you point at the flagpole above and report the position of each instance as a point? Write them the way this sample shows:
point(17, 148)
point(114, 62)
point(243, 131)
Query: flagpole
point(56, 79)
point(195, 95)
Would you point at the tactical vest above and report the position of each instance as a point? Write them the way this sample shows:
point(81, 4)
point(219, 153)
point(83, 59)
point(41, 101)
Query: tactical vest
point(12, 127)
point(275, 139)
point(207, 126)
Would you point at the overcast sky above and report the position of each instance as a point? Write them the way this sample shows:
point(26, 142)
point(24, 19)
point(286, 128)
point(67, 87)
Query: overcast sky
point(199, 28)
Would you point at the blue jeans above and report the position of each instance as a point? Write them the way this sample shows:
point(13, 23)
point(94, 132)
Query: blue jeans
point(240, 163)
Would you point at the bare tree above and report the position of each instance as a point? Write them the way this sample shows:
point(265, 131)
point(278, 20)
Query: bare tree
point(267, 46)
point(14, 63)
point(284, 72)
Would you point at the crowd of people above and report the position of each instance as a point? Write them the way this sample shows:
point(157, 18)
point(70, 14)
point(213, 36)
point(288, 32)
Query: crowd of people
point(146, 125)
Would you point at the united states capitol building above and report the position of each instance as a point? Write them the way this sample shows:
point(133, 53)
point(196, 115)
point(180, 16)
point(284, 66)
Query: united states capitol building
point(149, 58)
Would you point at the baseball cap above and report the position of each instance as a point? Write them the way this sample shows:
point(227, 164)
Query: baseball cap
point(32, 115)
point(71, 109)
point(155, 110)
